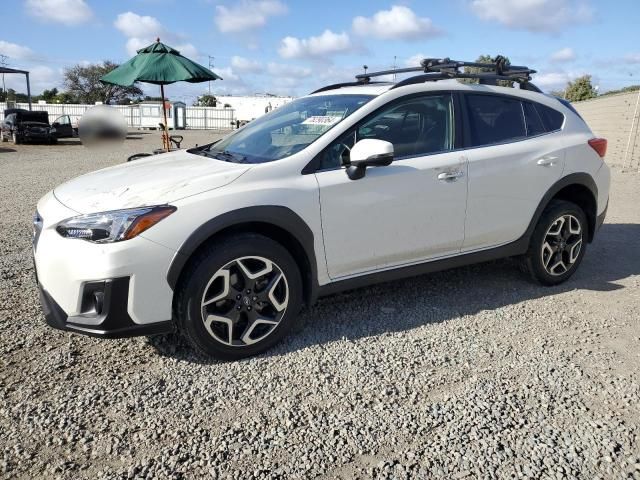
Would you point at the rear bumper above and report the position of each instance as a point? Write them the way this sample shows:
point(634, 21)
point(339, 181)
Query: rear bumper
point(112, 321)
point(600, 218)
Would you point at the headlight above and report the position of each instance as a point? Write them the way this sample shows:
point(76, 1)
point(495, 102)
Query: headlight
point(115, 226)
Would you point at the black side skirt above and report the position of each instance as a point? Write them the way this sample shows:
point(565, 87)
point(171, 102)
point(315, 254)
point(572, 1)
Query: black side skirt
point(518, 247)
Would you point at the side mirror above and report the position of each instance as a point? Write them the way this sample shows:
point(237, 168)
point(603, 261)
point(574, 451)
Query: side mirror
point(55, 124)
point(368, 153)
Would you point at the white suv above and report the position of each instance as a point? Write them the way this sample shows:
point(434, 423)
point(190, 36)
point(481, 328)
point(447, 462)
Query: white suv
point(354, 184)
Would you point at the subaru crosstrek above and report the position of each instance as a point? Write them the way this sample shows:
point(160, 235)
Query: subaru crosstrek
point(356, 183)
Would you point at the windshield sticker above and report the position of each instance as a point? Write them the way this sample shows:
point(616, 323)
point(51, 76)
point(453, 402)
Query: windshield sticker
point(322, 120)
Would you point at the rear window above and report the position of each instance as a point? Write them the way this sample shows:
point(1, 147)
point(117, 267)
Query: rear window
point(495, 119)
point(532, 120)
point(551, 118)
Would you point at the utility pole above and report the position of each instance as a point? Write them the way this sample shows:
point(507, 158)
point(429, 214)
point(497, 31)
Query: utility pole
point(211, 59)
point(394, 67)
point(3, 63)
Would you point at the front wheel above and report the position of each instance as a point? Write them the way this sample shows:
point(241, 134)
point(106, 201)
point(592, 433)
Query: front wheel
point(558, 243)
point(15, 139)
point(240, 297)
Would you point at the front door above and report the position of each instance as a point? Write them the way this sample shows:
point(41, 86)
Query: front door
point(63, 127)
point(410, 211)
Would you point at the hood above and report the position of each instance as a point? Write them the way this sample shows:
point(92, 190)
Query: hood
point(35, 124)
point(154, 180)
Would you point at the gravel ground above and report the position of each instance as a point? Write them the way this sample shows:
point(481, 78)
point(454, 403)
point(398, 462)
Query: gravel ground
point(474, 372)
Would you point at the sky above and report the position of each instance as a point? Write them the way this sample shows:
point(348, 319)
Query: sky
point(290, 47)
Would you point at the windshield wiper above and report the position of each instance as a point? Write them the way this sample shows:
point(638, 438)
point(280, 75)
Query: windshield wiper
point(228, 156)
point(225, 155)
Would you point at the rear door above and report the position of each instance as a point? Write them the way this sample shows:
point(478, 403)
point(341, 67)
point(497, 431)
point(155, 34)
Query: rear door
point(513, 160)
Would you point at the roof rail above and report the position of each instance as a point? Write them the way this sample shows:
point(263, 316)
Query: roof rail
point(345, 84)
point(445, 68)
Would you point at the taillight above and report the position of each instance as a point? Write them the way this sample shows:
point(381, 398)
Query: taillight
point(599, 145)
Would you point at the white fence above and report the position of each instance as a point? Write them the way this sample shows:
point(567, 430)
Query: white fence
point(197, 118)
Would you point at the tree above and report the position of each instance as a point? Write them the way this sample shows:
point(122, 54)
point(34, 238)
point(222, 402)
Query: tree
point(13, 96)
point(83, 82)
point(206, 101)
point(65, 97)
point(49, 95)
point(485, 59)
point(580, 89)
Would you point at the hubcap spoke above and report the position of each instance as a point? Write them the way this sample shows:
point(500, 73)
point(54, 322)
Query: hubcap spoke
point(562, 244)
point(224, 274)
point(244, 301)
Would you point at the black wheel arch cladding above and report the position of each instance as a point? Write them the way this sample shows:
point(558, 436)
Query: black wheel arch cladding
point(281, 220)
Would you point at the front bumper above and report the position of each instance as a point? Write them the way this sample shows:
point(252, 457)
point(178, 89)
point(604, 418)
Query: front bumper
point(137, 299)
point(114, 321)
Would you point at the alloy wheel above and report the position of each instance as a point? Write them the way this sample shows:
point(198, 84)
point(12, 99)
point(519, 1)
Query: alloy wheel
point(562, 245)
point(244, 301)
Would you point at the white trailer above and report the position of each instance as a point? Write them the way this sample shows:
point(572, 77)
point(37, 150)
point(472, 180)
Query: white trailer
point(250, 107)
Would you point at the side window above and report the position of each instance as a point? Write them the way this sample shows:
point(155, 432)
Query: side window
point(416, 126)
point(533, 120)
point(551, 118)
point(494, 119)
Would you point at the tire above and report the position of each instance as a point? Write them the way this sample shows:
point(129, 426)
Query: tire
point(53, 141)
point(226, 314)
point(558, 243)
point(15, 139)
point(3, 138)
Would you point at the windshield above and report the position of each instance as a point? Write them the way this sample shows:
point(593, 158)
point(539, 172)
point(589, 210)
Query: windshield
point(286, 130)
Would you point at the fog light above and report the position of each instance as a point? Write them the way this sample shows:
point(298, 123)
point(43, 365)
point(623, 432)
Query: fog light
point(98, 302)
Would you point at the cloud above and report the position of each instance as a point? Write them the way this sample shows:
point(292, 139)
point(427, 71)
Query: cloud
point(245, 65)
point(398, 23)
point(632, 57)
point(325, 44)
point(15, 51)
point(41, 78)
point(414, 60)
point(187, 49)
point(247, 15)
point(533, 15)
point(138, 26)
point(143, 30)
point(67, 12)
point(563, 55)
point(557, 80)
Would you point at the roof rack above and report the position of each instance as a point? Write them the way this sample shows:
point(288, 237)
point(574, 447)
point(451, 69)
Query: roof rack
point(434, 69)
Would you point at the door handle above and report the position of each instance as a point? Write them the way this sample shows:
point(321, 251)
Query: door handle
point(547, 161)
point(450, 176)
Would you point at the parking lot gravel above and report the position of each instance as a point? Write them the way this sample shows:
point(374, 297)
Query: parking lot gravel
point(469, 373)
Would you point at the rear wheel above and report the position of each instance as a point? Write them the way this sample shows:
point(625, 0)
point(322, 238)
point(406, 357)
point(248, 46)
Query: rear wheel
point(558, 244)
point(240, 297)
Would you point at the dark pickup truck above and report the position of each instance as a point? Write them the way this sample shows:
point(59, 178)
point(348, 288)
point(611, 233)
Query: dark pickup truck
point(24, 126)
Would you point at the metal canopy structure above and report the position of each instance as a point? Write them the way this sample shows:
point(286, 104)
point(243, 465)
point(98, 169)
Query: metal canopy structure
point(23, 72)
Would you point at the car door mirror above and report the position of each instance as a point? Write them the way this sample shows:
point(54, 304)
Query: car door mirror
point(55, 124)
point(369, 152)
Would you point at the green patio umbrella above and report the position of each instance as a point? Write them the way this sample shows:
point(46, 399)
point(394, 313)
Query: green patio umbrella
point(161, 65)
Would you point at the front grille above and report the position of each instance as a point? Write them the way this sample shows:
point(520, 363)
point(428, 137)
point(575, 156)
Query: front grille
point(37, 228)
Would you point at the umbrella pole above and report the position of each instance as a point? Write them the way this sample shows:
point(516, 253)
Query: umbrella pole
point(165, 134)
